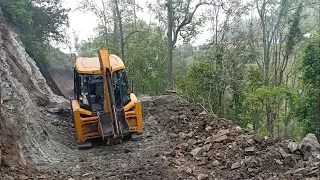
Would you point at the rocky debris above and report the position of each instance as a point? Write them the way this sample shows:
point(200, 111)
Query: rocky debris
point(203, 113)
point(213, 145)
point(220, 139)
point(290, 161)
point(23, 177)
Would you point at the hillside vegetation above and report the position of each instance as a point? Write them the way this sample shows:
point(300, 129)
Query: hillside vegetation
point(259, 65)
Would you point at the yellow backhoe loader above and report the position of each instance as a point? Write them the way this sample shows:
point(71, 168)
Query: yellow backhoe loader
point(104, 108)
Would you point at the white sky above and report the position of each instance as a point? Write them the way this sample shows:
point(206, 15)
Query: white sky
point(84, 23)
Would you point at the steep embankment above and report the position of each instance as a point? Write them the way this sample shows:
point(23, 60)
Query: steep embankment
point(25, 124)
point(63, 78)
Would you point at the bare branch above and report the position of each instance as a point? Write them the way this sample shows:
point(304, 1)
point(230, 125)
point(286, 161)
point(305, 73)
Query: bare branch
point(129, 35)
point(187, 20)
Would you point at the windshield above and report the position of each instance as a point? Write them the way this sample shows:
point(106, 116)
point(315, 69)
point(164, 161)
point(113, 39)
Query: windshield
point(92, 92)
point(120, 84)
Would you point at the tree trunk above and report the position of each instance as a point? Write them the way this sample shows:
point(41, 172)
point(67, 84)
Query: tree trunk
point(170, 44)
point(270, 121)
point(256, 121)
point(287, 118)
point(220, 72)
point(266, 62)
point(105, 22)
point(120, 31)
point(115, 29)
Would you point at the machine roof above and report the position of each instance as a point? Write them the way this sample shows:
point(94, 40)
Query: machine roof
point(85, 65)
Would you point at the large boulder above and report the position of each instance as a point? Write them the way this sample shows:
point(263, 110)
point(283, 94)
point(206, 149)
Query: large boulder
point(310, 146)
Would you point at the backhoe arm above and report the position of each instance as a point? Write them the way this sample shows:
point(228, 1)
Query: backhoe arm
point(109, 99)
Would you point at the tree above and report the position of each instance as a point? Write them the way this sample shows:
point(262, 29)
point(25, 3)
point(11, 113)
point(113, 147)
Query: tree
point(310, 106)
point(180, 15)
point(276, 47)
point(116, 14)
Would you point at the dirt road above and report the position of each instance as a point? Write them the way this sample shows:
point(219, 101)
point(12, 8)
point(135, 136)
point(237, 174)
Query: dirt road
point(134, 159)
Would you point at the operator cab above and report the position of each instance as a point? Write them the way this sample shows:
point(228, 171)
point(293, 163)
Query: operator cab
point(88, 84)
point(89, 90)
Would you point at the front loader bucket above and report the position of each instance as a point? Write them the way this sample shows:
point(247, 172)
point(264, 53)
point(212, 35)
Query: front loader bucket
point(105, 124)
point(123, 123)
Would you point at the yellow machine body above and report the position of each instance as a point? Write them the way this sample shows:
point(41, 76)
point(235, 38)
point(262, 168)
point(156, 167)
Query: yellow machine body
point(86, 117)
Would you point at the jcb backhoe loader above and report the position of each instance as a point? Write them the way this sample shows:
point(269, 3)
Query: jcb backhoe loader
point(104, 107)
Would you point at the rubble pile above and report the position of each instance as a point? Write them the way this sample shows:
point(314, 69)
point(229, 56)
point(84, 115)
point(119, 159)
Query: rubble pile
point(207, 147)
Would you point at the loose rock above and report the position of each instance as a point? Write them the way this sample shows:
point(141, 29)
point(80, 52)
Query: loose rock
point(249, 149)
point(283, 153)
point(220, 139)
point(215, 163)
point(258, 138)
point(197, 151)
point(310, 146)
point(235, 165)
point(292, 146)
point(208, 128)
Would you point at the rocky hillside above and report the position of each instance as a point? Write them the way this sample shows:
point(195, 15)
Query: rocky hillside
point(25, 98)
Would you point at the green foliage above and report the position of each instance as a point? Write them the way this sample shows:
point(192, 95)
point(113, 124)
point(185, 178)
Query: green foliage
point(196, 83)
point(38, 22)
point(309, 106)
point(311, 63)
point(58, 59)
point(16, 12)
point(294, 34)
point(146, 59)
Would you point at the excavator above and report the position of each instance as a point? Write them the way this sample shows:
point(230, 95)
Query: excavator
point(104, 108)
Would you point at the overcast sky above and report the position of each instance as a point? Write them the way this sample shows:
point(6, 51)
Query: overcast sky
point(83, 23)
